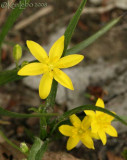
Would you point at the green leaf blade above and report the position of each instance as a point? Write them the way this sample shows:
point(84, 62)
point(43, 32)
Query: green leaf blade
point(82, 45)
point(4, 112)
point(72, 25)
point(42, 150)
point(12, 18)
point(94, 108)
point(83, 108)
point(50, 101)
point(35, 148)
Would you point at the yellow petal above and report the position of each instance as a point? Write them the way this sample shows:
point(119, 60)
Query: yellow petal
point(111, 131)
point(108, 117)
point(86, 122)
point(100, 103)
point(56, 50)
point(102, 136)
point(66, 130)
point(72, 142)
point(94, 126)
point(62, 78)
point(45, 85)
point(37, 51)
point(32, 69)
point(75, 120)
point(87, 140)
point(89, 113)
point(69, 61)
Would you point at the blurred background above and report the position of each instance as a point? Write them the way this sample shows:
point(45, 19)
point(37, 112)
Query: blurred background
point(103, 73)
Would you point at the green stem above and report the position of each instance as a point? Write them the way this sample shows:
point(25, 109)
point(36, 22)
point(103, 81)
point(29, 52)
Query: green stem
point(4, 112)
point(43, 123)
point(50, 101)
point(10, 142)
point(48, 107)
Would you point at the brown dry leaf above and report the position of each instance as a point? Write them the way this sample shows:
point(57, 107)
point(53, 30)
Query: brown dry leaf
point(8, 152)
point(112, 156)
point(59, 156)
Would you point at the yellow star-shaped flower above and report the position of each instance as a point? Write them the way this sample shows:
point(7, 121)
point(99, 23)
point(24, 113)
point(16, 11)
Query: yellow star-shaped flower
point(50, 66)
point(101, 123)
point(80, 131)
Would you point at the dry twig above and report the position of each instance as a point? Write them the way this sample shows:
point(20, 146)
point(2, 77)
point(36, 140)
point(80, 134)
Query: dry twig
point(33, 17)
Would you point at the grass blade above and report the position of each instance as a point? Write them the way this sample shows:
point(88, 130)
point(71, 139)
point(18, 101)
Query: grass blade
point(11, 19)
point(72, 25)
point(82, 45)
point(35, 148)
point(82, 108)
point(4, 112)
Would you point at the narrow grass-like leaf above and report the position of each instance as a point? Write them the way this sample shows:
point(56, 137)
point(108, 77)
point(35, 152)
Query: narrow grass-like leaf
point(35, 148)
point(90, 107)
point(86, 107)
point(8, 141)
point(12, 18)
point(82, 45)
point(42, 150)
point(72, 25)
point(4, 112)
point(68, 34)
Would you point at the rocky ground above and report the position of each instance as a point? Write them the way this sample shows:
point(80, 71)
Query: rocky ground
point(103, 73)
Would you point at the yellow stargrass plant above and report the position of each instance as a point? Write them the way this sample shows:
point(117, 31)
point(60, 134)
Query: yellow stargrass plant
point(50, 66)
point(97, 121)
point(101, 122)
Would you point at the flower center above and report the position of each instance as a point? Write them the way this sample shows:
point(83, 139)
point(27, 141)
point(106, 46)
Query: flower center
point(80, 131)
point(51, 67)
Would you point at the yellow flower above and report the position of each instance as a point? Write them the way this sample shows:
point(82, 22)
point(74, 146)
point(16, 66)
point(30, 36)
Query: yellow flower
point(50, 66)
point(101, 123)
point(79, 131)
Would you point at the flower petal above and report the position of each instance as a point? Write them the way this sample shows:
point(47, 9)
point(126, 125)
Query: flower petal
point(94, 126)
point(75, 120)
point(102, 136)
point(66, 130)
point(62, 78)
point(45, 85)
point(108, 117)
point(100, 103)
point(111, 131)
point(86, 122)
point(72, 142)
point(89, 113)
point(87, 140)
point(32, 69)
point(69, 61)
point(56, 50)
point(37, 51)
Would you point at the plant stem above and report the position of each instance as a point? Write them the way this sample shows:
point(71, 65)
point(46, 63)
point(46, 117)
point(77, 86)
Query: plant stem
point(50, 101)
point(43, 123)
point(10, 142)
point(48, 107)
